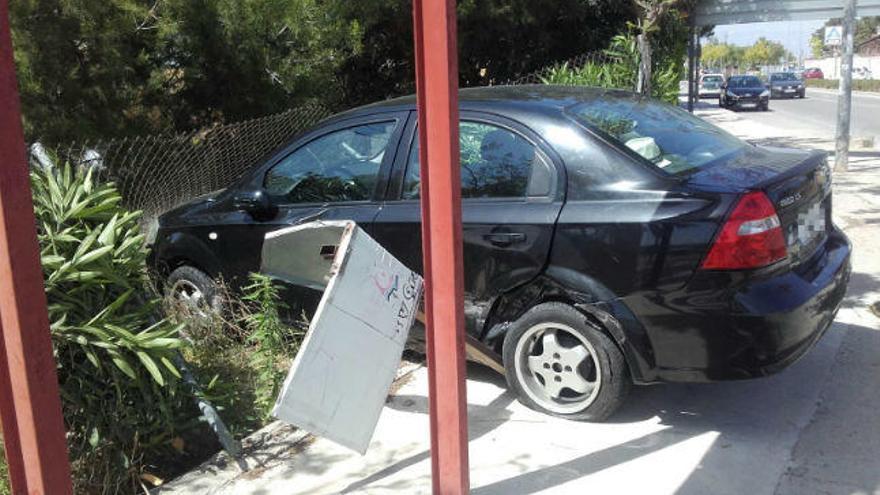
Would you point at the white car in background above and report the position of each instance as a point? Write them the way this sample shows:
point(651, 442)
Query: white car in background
point(710, 85)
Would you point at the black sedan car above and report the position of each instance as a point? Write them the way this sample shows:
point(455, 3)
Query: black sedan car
point(786, 85)
point(740, 92)
point(609, 239)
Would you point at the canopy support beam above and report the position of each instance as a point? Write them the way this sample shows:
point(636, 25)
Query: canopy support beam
point(30, 406)
point(437, 97)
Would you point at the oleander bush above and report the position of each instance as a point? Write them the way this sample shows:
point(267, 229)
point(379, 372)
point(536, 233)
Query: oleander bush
point(131, 421)
point(122, 401)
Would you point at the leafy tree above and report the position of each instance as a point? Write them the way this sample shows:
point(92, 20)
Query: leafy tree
point(103, 68)
point(716, 54)
point(650, 14)
point(82, 67)
point(765, 52)
point(498, 40)
point(93, 69)
point(235, 59)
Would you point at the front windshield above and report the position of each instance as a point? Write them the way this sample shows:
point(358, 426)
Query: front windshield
point(786, 76)
point(744, 82)
point(667, 136)
point(712, 79)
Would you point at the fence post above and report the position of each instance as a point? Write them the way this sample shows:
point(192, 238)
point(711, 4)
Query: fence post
point(31, 411)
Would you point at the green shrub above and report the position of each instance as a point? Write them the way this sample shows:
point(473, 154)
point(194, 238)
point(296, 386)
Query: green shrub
point(273, 343)
point(619, 69)
point(872, 85)
point(242, 355)
point(121, 399)
point(4, 471)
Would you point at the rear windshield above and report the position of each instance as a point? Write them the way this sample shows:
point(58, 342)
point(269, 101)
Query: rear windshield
point(786, 76)
point(665, 135)
point(744, 82)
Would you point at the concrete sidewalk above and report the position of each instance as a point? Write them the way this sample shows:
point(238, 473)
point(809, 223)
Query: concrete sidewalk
point(811, 429)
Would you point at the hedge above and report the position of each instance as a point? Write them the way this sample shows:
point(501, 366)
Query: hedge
point(858, 84)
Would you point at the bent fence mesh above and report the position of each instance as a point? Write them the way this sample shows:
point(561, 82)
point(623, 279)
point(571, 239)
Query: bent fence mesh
point(157, 173)
point(539, 76)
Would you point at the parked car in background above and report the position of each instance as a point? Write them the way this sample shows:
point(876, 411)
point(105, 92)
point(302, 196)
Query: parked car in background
point(786, 85)
point(609, 239)
point(740, 92)
point(710, 85)
point(813, 73)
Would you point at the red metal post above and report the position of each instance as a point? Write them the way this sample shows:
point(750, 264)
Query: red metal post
point(437, 93)
point(33, 428)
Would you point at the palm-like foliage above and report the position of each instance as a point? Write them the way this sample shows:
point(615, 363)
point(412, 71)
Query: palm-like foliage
point(115, 369)
point(618, 68)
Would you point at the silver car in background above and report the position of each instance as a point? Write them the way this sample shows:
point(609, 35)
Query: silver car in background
point(710, 85)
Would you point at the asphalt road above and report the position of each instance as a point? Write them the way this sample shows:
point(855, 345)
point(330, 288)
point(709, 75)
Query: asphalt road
point(816, 115)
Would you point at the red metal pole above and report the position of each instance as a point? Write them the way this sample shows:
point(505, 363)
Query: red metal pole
point(33, 428)
point(437, 94)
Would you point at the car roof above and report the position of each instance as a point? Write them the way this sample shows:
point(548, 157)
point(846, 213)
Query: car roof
point(540, 98)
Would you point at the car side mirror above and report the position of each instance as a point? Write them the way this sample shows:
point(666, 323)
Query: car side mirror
point(256, 203)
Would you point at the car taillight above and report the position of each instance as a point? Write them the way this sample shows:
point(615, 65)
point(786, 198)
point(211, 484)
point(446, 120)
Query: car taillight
point(751, 237)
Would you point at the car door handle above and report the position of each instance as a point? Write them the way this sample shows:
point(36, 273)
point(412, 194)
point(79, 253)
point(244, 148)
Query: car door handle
point(505, 238)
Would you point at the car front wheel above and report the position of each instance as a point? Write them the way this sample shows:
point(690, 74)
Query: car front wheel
point(194, 291)
point(562, 364)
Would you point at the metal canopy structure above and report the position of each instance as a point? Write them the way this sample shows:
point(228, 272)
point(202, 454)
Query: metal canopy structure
point(719, 12)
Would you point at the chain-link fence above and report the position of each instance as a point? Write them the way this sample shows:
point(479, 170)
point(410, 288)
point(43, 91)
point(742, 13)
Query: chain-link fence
point(156, 173)
point(574, 63)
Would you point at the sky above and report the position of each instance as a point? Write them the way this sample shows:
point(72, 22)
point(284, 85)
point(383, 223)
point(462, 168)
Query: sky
point(794, 35)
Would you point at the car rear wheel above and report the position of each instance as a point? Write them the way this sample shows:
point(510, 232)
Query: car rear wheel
point(195, 291)
point(562, 364)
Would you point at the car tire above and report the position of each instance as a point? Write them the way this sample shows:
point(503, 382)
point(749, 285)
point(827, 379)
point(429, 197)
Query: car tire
point(765, 107)
point(581, 373)
point(195, 288)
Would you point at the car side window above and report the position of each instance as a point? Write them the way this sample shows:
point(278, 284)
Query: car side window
point(340, 166)
point(495, 163)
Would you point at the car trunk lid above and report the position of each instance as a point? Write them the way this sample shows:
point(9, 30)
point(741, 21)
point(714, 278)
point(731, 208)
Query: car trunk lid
point(797, 182)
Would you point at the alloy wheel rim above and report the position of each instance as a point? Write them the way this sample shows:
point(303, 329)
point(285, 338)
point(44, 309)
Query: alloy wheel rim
point(191, 296)
point(557, 368)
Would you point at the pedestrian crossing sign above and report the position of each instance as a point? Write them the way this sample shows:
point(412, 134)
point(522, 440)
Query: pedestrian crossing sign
point(833, 35)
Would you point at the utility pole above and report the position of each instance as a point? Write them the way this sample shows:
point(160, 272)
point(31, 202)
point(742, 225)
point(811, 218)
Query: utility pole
point(691, 69)
point(844, 96)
